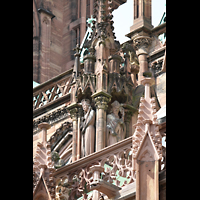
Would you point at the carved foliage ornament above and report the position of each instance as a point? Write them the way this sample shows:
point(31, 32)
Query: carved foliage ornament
point(141, 42)
point(101, 102)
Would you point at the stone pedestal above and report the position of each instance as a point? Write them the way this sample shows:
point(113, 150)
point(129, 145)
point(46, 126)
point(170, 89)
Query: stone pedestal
point(101, 106)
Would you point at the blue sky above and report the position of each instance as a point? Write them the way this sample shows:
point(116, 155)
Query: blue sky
point(123, 17)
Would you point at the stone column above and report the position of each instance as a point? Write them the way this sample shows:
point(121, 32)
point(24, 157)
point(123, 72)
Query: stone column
point(147, 88)
point(44, 127)
point(74, 116)
point(141, 44)
point(80, 113)
point(101, 105)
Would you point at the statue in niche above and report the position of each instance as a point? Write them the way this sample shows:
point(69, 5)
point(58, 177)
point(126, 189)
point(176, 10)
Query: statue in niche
point(87, 128)
point(116, 128)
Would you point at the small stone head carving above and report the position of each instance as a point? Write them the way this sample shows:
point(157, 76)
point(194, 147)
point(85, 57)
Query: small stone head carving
point(85, 104)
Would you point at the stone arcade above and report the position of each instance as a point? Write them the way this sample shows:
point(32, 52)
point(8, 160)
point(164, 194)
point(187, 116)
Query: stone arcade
point(97, 128)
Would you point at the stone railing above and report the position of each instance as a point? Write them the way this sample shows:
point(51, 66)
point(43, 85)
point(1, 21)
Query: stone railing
point(113, 164)
point(107, 170)
point(52, 93)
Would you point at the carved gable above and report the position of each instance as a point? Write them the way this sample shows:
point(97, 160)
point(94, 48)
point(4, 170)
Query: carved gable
point(147, 151)
point(41, 191)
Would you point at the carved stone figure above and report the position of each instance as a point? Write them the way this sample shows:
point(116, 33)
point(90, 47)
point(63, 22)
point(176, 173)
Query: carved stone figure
point(87, 128)
point(116, 128)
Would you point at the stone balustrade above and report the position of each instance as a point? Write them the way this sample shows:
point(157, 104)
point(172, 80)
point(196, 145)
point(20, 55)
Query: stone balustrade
point(52, 93)
point(115, 163)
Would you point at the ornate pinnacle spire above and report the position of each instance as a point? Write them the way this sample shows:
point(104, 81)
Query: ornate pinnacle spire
point(147, 122)
point(103, 13)
point(147, 144)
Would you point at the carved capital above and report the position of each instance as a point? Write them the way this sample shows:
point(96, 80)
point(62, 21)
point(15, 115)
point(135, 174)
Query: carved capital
point(141, 44)
point(102, 102)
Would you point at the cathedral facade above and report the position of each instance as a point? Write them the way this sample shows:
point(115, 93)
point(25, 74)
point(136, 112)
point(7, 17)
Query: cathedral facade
point(99, 127)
